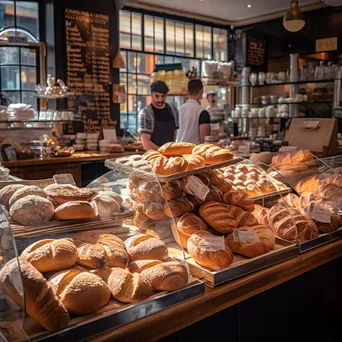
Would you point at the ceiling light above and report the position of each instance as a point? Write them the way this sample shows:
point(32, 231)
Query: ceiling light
point(293, 20)
point(332, 2)
point(249, 6)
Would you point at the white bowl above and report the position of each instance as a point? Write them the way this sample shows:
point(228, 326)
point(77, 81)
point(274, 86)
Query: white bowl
point(93, 135)
point(79, 147)
point(80, 141)
point(81, 135)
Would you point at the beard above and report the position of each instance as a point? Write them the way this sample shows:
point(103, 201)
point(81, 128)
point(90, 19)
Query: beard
point(160, 104)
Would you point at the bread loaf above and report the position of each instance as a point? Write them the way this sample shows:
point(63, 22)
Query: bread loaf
point(194, 161)
point(26, 191)
point(65, 195)
point(51, 255)
point(140, 217)
point(294, 157)
point(172, 191)
point(138, 177)
point(308, 185)
point(261, 214)
point(55, 186)
point(150, 155)
point(264, 243)
point(168, 276)
point(209, 250)
point(39, 301)
point(76, 210)
point(212, 154)
point(242, 217)
point(80, 292)
point(239, 199)
point(107, 207)
point(195, 201)
point(128, 287)
point(144, 247)
point(174, 149)
point(218, 180)
point(151, 191)
point(215, 194)
point(99, 250)
point(32, 210)
point(177, 208)
point(154, 211)
point(140, 265)
point(7, 192)
point(116, 197)
point(168, 166)
point(218, 217)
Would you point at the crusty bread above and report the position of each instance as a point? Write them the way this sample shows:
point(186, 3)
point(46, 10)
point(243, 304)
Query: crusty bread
point(217, 179)
point(144, 247)
point(106, 206)
point(52, 187)
point(99, 250)
point(239, 199)
point(140, 217)
point(140, 265)
point(116, 197)
point(264, 243)
point(76, 210)
point(150, 155)
point(26, 191)
point(172, 191)
point(207, 253)
point(242, 217)
point(51, 255)
point(151, 191)
point(178, 207)
point(153, 210)
point(168, 276)
point(212, 154)
point(309, 184)
point(260, 213)
point(128, 287)
point(32, 210)
point(287, 158)
point(7, 192)
point(64, 195)
point(40, 302)
point(168, 166)
point(80, 292)
point(218, 216)
point(174, 149)
point(194, 161)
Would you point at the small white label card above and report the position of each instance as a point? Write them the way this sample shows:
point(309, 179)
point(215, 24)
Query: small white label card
point(197, 188)
point(213, 243)
point(64, 178)
point(245, 236)
point(245, 149)
point(287, 148)
point(319, 214)
point(311, 124)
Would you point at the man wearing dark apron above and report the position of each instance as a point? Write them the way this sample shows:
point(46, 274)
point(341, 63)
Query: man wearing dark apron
point(158, 121)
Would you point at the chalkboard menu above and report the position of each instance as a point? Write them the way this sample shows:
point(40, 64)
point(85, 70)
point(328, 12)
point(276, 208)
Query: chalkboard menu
point(88, 64)
point(256, 52)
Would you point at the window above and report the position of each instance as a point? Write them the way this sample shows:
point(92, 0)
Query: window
point(203, 42)
point(220, 44)
point(130, 30)
point(154, 34)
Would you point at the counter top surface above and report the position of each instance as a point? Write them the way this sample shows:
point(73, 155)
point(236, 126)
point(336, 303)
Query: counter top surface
point(180, 316)
point(77, 157)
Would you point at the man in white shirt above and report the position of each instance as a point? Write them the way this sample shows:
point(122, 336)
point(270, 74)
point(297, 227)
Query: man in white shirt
point(194, 121)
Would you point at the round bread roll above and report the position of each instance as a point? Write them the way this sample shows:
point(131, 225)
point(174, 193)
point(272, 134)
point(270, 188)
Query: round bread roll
point(79, 291)
point(7, 192)
point(59, 186)
point(65, 195)
point(140, 265)
point(51, 255)
point(32, 210)
point(76, 210)
point(144, 247)
point(25, 191)
point(177, 208)
point(116, 197)
point(207, 250)
point(106, 206)
point(154, 211)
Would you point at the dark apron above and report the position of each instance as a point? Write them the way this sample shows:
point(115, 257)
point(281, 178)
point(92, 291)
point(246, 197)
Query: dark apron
point(164, 131)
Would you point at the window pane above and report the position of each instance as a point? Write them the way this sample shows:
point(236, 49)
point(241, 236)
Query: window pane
point(220, 44)
point(143, 85)
point(29, 98)
point(132, 123)
point(28, 57)
point(180, 40)
point(189, 40)
point(132, 84)
point(159, 35)
point(12, 96)
point(199, 41)
point(170, 36)
point(168, 60)
point(131, 62)
point(207, 42)
point(123, 121)
point(136, 31)
point(123, 106)
point(125, 29)
point(132, 104)
point(9, 55)
point(27, 16)
point(143, 101)
point(10, 77)
point(28, 78)
point(145, 63)
point(149, 33)
point(124, 56)
point(158, 59)
point(6, 14)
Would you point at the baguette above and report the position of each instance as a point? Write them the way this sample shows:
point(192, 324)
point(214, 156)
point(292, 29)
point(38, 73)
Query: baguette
point(174, 149)
point(212, 154)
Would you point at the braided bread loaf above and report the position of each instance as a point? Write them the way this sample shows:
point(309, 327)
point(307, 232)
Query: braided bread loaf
point(212, 154)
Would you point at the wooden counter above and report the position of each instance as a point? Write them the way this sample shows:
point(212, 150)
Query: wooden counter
point(215, 300)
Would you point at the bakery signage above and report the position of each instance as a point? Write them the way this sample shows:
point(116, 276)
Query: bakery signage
point(88, 63)
point(256, 52)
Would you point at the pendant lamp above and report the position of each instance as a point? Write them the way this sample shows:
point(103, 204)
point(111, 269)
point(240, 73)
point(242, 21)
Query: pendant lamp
point(118, 62)
point(293, 20)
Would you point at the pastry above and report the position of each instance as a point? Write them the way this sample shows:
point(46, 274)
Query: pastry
point(98, 250)
point(242, 217)
point(106, 207)
point(177, 208)
point(168, 166)
point(194, 161)
point(144, 247)
point(39, 301)
point(140, 265)
point(239, 199)
point(81, 292)
point(261, 214)
point(287, 158)
point(62, 196)
point(241, 176)
point(75, 210)
point(168, 276)
point(217, 216)
point(263, 244)
point(172, 191)
point(7, 192)
point(229, 175)
point(51, 255)
point(26, 191)
point(174, 149)
point(32, 210)
point(212, 154)
point(209, 250)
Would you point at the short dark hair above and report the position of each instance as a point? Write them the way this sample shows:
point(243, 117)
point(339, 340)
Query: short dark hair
point(195, 86)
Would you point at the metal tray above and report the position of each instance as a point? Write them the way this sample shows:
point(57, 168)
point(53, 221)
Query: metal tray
point(322, 239)
point(272, 196)
point(241, 266)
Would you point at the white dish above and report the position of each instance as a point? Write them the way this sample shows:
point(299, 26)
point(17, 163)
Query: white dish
point(80, 141)
point(81, 135)
point(78, 147)
point(93, 135)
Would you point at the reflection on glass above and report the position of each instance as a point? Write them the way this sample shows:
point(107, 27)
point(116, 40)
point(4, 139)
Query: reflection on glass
point(199, 41)
point(180, 39)
point(131, 64)
point(148, 33)
point(189, 40)
point(7, 10)
point(125, 29)
point(123, 79)
point(123, 106)
point(143, 101)
point(29, 98)
point(207, 42)
point(158, 35)
point(136, 31)
point(9, 55)
point(28, 78)
point(12, 96)
point(27, 16)
point(132, 104)
point(28, 56)
point(145, 63)
point(143, 84)
point(220, 44)
point(10, 77)
point(132, 123)
point(123, 121)
point(170, 36)
point(132, 83)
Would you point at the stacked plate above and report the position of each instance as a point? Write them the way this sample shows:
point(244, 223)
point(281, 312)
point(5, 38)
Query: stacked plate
point(92, 141)
point(80, 141)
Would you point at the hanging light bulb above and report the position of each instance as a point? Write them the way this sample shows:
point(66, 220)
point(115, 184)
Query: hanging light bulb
point(293, 20)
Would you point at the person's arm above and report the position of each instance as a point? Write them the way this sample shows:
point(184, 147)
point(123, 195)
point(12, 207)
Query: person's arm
point(176, 118)
point(175, 135)
point(147, 143)
point(204, 125)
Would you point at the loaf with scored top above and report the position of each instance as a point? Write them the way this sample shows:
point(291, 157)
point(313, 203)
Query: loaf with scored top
point(173, 149)
point(239, 199)
point(194, 161)
point(212, 154)
point(7, 192)
point(168, 166)
point(288, 158)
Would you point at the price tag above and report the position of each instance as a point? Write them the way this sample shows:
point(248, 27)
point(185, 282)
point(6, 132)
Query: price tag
point(213, 243)
point(311, 124)
point(64, 178)
point(319, 214)
point(245, 236)
point(287, 148)
point(197, 188)
point(244, 149)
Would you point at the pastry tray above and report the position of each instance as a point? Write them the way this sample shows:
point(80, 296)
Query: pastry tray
point(241, 266)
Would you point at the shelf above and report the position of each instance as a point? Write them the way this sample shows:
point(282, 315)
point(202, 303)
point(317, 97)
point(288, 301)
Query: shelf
point(39, 121)
point(298, 103)
point(23, 128)
point(289, 83)
point(264, 117)
point(55, 97)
